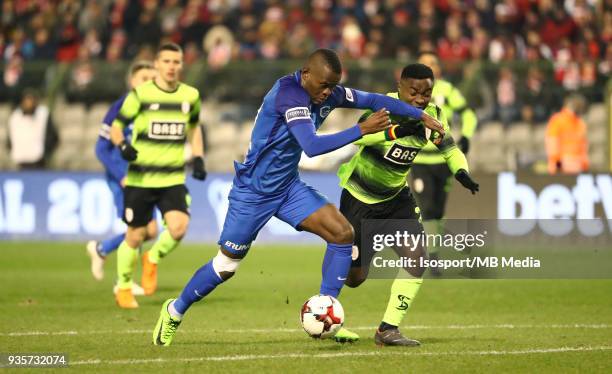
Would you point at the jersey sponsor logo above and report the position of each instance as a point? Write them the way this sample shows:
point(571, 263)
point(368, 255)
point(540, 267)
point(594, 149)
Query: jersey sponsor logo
point(401, 155)
point(167, 130)
point(293, 114)
point(349, 95)
point(324, 111)
point(237, 247)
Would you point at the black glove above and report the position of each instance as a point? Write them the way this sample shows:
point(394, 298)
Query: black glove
point(128, 152)
point(199, 172)
point(464, 144)
point(466, 181)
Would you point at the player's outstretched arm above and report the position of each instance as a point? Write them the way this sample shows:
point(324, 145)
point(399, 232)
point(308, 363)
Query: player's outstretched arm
point(314, 145)
point(374, 101)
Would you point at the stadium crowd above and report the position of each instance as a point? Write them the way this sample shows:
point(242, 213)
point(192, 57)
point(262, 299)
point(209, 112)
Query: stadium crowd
point(564, 31)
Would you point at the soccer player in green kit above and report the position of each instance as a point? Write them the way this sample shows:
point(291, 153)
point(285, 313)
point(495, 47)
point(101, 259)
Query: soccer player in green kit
point(430, 176)
point(374, 187)
point(165, 113)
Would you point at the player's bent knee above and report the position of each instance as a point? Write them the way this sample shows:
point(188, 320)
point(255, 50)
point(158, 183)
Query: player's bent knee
point(224, 266)
point(178, 230)
point(346, 235)
point(135, 236)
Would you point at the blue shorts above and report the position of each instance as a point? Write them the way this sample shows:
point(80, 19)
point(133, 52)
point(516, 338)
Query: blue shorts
point(249, 211)
point(117, 191)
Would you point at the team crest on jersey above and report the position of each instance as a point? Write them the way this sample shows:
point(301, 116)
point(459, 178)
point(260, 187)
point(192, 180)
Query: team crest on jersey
point(301, 112)
point(167, 130)
point(349, 95)
point(185, 107)
point(401, 155)
point(324, 111)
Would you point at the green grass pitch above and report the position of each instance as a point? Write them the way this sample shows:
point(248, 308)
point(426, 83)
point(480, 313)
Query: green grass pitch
point(50, 303)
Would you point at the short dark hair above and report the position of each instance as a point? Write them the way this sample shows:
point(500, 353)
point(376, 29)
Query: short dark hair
point(139, 65)
point(169, 47)
point(417, 71)
point(330, 57)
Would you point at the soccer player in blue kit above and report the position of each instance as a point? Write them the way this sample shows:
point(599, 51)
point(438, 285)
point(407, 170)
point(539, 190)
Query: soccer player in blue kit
point(267, 183)
point(115, 168)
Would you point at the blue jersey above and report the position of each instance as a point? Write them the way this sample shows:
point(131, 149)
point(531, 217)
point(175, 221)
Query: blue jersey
point(272, 160)
point(109, 155)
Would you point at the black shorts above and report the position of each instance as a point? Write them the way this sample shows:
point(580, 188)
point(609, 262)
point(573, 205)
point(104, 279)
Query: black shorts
point(431, 184)
point(139, 202)
point(402, 206)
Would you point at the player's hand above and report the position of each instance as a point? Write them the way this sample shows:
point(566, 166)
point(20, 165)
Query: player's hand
point(464, 144)
point(433, 124)
point(376, 122)
point(128, 152)
point(466, 181)
point(199, 172)
point(122, 182)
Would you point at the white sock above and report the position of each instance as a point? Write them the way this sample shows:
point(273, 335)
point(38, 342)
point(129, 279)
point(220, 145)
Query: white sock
point(173, 312)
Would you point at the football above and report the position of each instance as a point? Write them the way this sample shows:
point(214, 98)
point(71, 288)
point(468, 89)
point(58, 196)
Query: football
point(322, 316)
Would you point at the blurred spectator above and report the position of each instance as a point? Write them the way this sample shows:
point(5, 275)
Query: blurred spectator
point(538, 96)
point(454, 47)
point(68, 39)
point(147, 31)
point(299, 43)
point(507, 100)
point(93, 17)
point(566, 138)
point(353, 39)
point(12, 78)
point(19, 44)
point(32, 136)
point(44, 48)
point(218, 44)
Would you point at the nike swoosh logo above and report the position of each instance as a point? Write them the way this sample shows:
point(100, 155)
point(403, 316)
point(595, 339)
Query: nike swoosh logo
point(341, 279)
point(197, 294)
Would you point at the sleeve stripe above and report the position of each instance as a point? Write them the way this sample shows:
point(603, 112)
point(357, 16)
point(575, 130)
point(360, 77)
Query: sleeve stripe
point(104, 131)
point(390, 133)
point(122, 119)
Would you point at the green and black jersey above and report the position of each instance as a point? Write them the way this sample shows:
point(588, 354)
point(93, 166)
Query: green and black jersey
point(162, 121)
point(451, 101)
point(378, 171)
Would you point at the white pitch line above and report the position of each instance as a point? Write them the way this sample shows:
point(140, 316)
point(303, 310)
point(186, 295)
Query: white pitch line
point(286, 330)
point(339, 354)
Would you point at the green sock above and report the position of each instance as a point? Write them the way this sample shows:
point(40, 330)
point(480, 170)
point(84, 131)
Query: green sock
point(433, 226)
point(403, 292)
point(162, 247)
point(126, 260)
